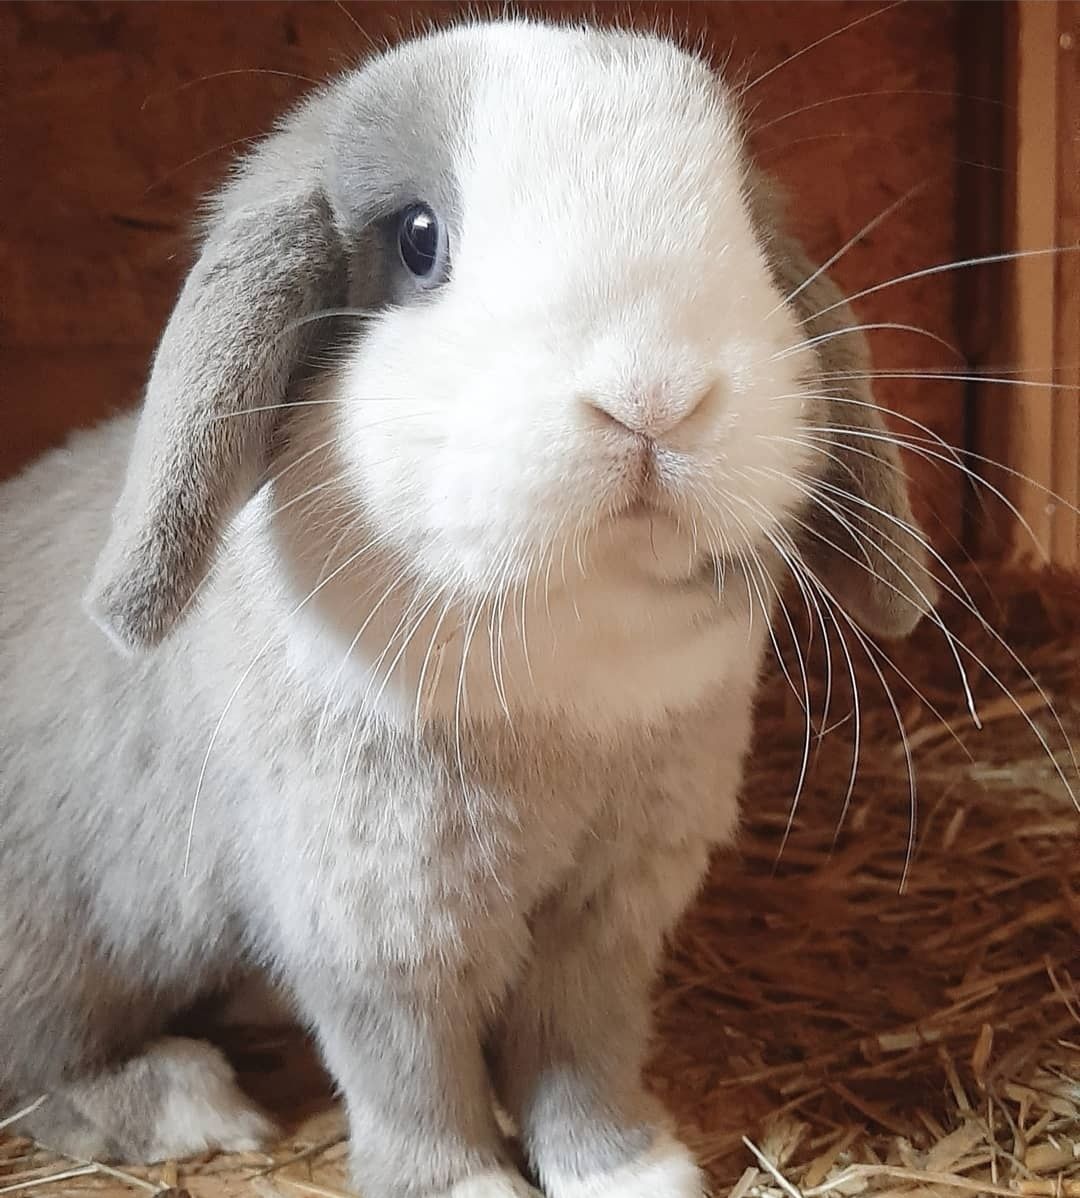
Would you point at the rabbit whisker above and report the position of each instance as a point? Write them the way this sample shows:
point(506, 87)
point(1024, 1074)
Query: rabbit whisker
point(964, 599)
point(870, 225)
point(913, 444)
point(498, 612)
point(871, 326)
point(944, 375)
point(161, 180)
point(197, 591)
point(422, 677)
point(376, 542)
point(356, 25)
point(868, 648)
point(189, 83)
point(804, 698)
point(319, 403)
point(954, 641)
point(940, 268)
point(523, 625)
point(761, 574)
point(891, 93)
point(326, 314)
point(954, 452)
point(859, 536)
point(792, 560)
point(425, 605)
point(814, 45)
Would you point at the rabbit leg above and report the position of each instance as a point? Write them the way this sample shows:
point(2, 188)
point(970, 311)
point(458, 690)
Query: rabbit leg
point(179, 1098)
point(569, 1053)
point(409, 1062)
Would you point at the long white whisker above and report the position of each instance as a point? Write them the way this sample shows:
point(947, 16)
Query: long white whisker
point(814, 45)
point(955, 642)
point(804, 699)
point(961, 595)
point(947, 376)
point(869, 327)
point(930, 454)
point(858, 536)
point(868, 647)
point(433, 646)
point(903, 91)
point(831, 261)
point(941, 268)
point(821, 483)
point(914, 444)
point(805, 762)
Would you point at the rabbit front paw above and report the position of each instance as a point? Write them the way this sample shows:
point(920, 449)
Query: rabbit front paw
point(667, 1170)
point(500, 1183)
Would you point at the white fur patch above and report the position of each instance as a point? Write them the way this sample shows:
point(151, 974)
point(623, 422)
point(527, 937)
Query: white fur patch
point(609, 396)
point(500, 1184)
point(666, 1171)
point(203, 1108)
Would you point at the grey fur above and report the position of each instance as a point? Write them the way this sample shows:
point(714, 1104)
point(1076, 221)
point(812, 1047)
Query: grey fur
point(880, 577)
point(277, 251)
point(483, 913)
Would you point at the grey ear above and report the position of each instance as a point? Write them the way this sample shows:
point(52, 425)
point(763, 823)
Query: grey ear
point(232, 344)
point(872, 558)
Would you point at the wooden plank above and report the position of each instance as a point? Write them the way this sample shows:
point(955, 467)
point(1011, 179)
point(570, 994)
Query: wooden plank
point(1066, 460)
point(1031, 407)
point(1041, 306)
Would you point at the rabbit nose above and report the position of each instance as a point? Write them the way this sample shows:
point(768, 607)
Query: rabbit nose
point(648, 412)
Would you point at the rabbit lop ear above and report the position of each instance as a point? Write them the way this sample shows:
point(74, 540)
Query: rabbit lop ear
point(236, 336)
point(861, 540)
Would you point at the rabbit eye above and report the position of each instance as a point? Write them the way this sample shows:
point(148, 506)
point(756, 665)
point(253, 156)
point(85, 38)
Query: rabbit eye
point(420, 243)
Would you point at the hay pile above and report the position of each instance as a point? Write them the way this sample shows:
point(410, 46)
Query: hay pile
point(821, 1033)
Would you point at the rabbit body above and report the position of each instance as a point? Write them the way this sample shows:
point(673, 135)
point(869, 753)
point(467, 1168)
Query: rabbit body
point(439, 636)
point(516, 894)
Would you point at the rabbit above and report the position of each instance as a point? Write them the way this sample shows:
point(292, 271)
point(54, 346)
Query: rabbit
point(402, 648)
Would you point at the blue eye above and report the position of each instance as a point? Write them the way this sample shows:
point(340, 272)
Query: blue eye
point(420, 242)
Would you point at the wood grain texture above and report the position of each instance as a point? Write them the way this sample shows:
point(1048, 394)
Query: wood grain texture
point(119, 117)
point(1033, 428)
point(1066, 463)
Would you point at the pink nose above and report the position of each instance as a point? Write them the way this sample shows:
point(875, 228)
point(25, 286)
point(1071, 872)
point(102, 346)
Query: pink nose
point(648, 413)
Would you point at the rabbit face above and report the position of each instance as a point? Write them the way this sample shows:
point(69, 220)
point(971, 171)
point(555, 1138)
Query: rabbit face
point(586, 357)
point(598, 357)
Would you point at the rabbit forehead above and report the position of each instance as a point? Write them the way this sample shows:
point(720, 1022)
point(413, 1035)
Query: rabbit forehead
point(537, 105)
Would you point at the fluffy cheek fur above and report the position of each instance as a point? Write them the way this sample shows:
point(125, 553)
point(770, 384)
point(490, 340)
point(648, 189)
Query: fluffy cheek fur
point(486, 449)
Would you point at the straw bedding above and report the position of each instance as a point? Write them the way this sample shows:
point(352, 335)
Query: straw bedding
point(820, 1030)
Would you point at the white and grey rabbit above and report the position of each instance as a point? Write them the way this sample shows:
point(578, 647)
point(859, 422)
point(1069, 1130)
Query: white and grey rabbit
point(439, 628)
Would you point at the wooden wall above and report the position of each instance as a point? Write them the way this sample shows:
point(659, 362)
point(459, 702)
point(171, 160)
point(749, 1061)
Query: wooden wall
point(1033, 429)
point(119, 115)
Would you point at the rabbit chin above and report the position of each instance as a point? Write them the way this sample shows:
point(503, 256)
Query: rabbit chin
point(637, 629)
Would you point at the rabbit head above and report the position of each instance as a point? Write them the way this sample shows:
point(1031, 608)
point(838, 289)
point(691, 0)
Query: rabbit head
point(581, 326)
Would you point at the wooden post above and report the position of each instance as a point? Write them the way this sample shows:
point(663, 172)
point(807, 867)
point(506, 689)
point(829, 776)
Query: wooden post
point(1041, 308)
